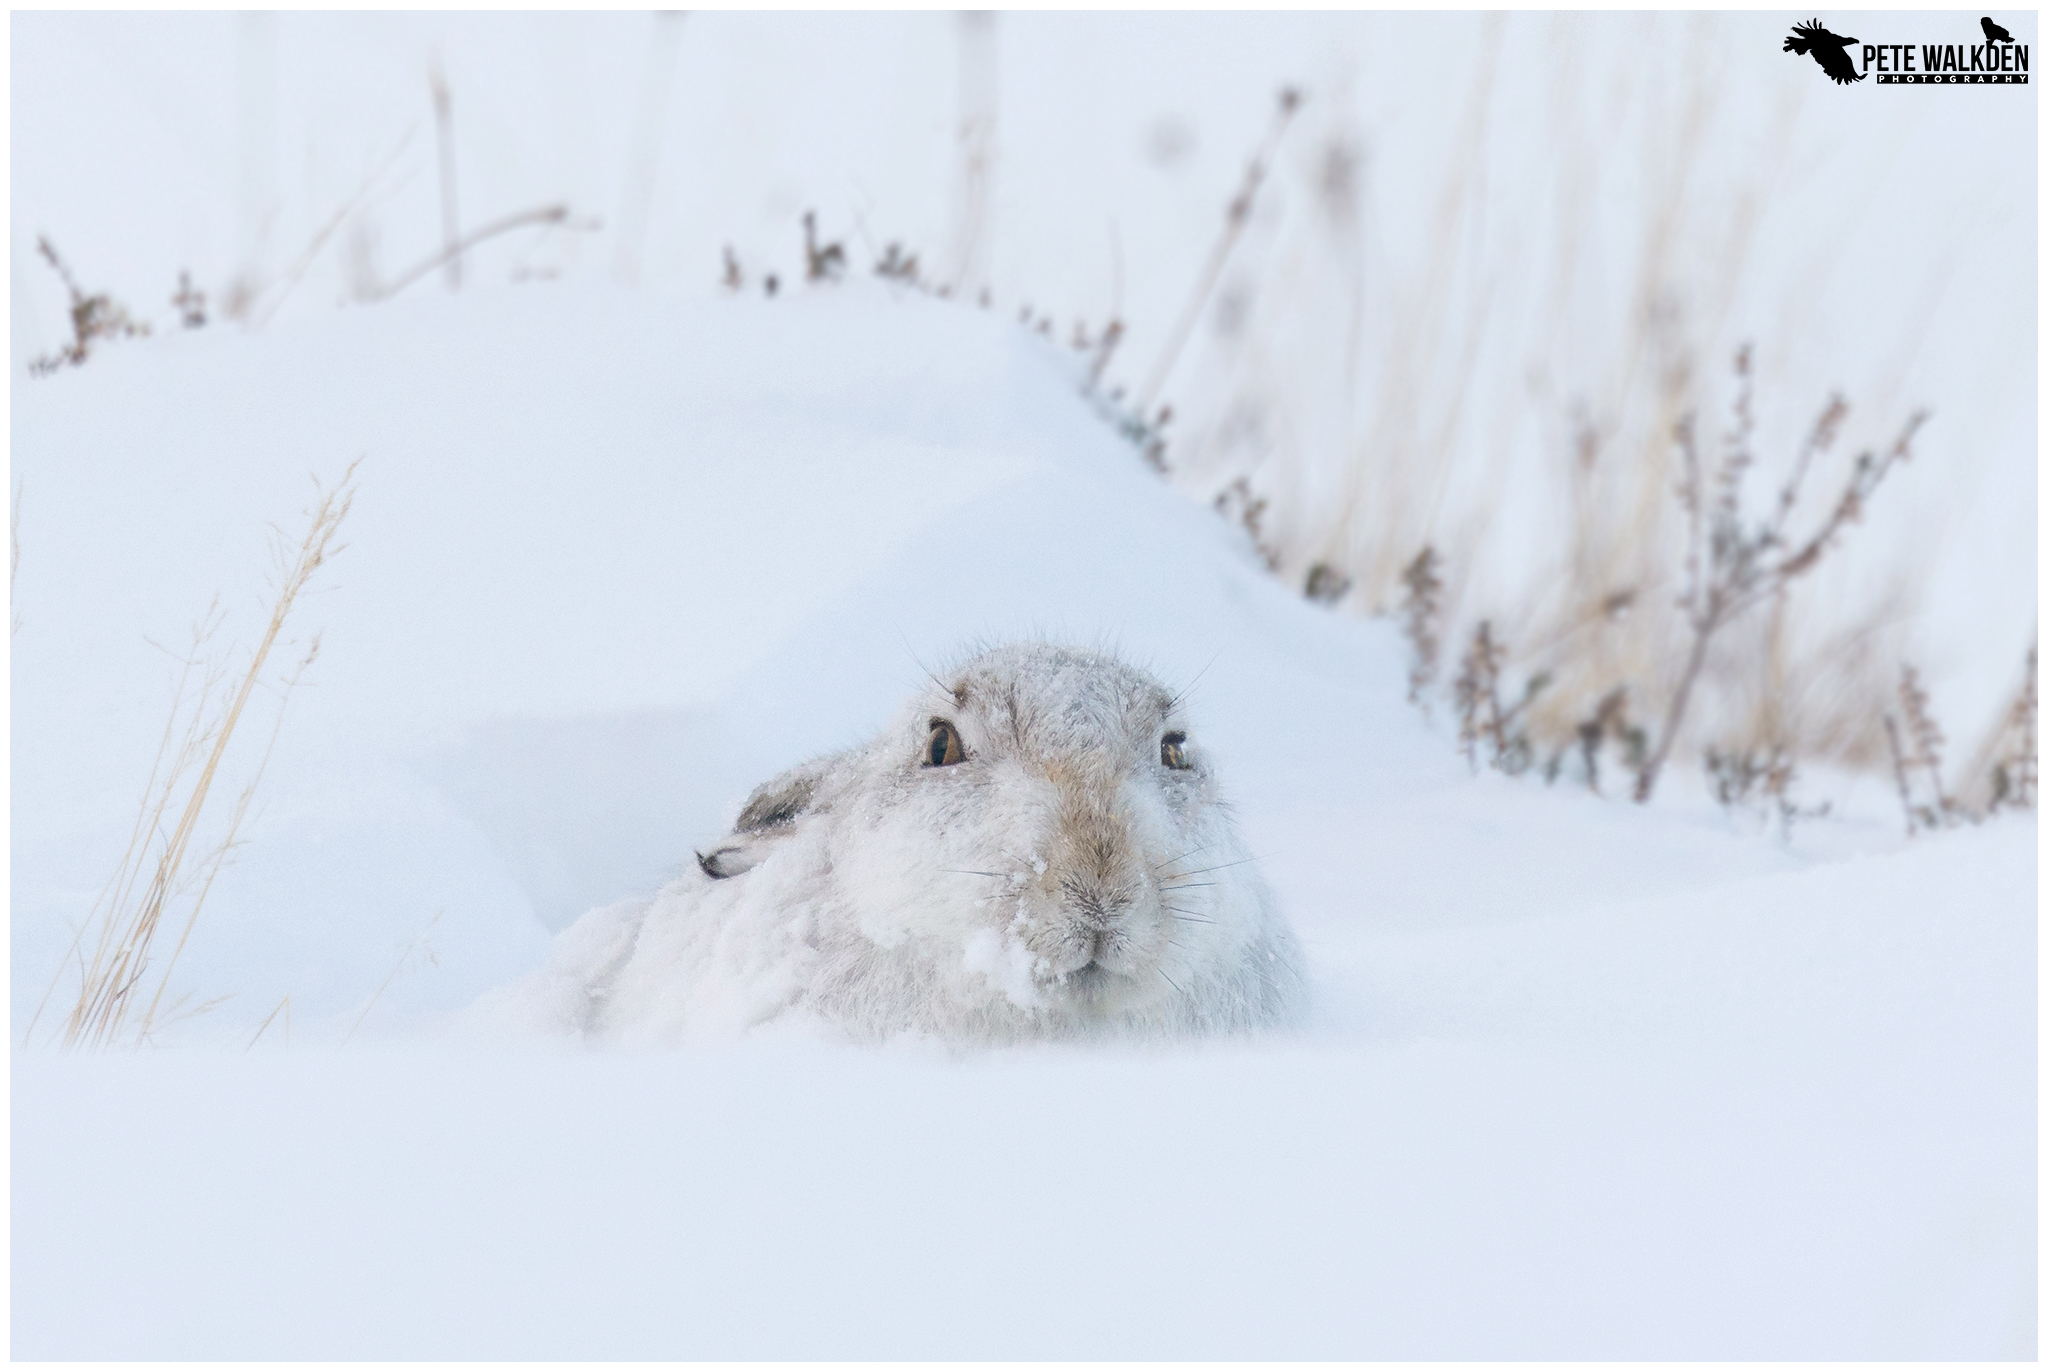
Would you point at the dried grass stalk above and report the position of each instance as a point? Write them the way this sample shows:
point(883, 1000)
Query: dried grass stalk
point(284, 1005)
point(1235, 218)
point(105, 1012)
point(421, 944)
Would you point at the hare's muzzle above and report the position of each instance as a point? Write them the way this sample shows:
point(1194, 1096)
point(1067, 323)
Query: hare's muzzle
point(1102, 933)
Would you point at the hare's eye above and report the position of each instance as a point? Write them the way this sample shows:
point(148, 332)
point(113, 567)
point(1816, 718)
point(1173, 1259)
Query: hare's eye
point(1173, 751)
point(943, 749)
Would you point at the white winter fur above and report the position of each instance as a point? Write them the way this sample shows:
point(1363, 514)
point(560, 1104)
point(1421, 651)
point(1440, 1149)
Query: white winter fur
point(1063, 879)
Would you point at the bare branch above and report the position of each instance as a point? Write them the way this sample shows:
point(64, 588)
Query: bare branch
point(546, 214)
point(1732, 564)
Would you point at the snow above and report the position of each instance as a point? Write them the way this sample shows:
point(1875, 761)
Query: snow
point(1582, 1079)
point(1405, 1197)
point(1791, 1180)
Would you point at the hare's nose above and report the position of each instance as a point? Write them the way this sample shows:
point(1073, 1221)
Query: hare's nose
point(1098, 906)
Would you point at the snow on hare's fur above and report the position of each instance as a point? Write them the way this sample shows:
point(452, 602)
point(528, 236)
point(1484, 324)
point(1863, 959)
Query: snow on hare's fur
point(1035, 848)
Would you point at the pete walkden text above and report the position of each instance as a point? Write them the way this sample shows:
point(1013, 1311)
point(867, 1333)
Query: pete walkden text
point(1947, 63)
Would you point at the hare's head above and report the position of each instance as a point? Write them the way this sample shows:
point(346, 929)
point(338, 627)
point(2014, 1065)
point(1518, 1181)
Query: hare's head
point(1040, 817)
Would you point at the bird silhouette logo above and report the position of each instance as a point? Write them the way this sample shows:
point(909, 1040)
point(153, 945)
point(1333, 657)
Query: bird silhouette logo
point(1993, 33)
point(1828, 49)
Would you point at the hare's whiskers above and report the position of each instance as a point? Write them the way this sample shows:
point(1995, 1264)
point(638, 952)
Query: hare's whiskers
point(1185, 690)
point(1176, 876)
point(1162, 866)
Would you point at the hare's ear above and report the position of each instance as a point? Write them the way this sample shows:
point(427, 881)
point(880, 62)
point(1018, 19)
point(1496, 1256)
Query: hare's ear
point(779, 802)
point(768, 815)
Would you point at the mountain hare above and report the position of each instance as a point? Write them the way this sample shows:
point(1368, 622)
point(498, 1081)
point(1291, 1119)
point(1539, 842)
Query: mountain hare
point(1036, 848)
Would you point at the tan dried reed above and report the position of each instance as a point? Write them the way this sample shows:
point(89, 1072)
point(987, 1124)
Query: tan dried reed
point(131, 909)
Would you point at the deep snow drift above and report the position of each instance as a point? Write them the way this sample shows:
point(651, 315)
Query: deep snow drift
point(1583, 1080)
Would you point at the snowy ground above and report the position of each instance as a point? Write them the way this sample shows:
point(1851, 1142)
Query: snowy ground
point(1585, 1080)
point(1876, 240)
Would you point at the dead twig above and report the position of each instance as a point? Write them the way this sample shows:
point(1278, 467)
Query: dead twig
point(94, 317)
point(1421, 619)
point(444, 142)
point(1733, 564)
point(1236, 216)
point(824, 262)
point(287, 283)
point(546, 214)
point(286, 1006)
point(1916, 748)
point(1481, 716)
point(416, 943)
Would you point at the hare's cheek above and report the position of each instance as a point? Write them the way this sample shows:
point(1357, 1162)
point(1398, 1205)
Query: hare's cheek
point(876, 877)
point(1162, 824)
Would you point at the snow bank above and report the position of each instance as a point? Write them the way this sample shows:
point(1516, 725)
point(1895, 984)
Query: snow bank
point(1586, 1080)
point(1800, 1126)
point(614, 562)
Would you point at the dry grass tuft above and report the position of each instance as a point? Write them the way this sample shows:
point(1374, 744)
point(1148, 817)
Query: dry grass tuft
point(2005, 774)
point(2014, 771)
point(1594, 665)
point(1760, 781)
point(189, 302)
point(1482, 718)
point(897, 265)
point(1734, 563)
point(1916, 745)
point(159, 868)
point(1421, 622)
point(95, 318)
point(822, 261)
point(1352, 426)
